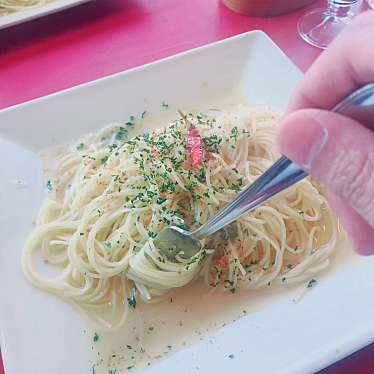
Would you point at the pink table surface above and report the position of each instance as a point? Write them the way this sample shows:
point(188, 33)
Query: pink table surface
point(104, 37)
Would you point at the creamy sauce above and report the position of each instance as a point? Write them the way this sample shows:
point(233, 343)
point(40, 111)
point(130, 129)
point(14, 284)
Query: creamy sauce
point(195, 312)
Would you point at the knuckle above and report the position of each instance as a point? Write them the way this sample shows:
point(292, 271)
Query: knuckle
point(353, 180)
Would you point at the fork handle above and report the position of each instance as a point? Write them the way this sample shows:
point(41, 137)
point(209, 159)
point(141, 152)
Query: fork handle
point(284, 173)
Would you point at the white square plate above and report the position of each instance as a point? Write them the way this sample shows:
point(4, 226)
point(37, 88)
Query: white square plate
point(29, 14)
point(40, 334)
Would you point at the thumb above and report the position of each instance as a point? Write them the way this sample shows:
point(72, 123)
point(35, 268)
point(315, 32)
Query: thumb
point(336, 150)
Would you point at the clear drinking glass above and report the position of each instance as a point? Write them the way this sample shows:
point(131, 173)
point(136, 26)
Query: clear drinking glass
point(320, 26)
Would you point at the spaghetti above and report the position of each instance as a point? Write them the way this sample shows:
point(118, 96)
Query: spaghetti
point(10, 6)
point(109, 197)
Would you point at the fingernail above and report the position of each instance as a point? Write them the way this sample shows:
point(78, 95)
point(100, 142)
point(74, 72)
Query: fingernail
point(317, 137)
point(302, 137)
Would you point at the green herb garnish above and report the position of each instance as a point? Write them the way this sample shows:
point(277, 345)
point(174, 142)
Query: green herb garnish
point(160, 200)
point(121, 134)
point(49, 185)
point(234, 133)
point(108, 245)
point(131, 301)
point(311, 283)
point(212, 142)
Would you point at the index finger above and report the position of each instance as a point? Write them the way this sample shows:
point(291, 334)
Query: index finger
point(345, 66)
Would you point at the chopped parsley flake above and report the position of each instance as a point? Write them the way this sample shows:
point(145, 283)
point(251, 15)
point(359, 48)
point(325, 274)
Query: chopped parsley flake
point(112, 147)
point(164, 104)
point(96, 337)
point(49, 185)
point(131, 301)
point(160, 200)
point(234, 133)
point(80, 146)
point(108, 245)
point(231, 356)
point(212, 142)
point(121, 134)
point(311, 283)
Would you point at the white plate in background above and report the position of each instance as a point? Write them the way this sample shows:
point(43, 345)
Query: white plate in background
point(41, 334)
point(26, 15)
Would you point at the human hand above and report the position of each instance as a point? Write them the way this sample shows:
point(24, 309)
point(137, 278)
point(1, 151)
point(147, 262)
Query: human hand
point(335, 149)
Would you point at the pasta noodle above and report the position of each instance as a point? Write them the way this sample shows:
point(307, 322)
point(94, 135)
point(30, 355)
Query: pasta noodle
point(10, 6)
point(109, 197)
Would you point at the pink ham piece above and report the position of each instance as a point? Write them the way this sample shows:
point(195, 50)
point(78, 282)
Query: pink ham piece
point(194, 142)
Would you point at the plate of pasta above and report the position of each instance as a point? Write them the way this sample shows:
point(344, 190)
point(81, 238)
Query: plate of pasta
point(84, 199)
point(13, 12)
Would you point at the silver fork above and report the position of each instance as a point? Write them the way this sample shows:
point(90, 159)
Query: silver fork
point(173, 241)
